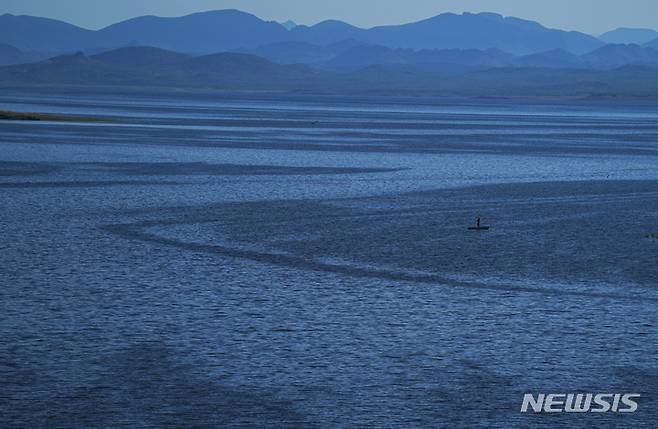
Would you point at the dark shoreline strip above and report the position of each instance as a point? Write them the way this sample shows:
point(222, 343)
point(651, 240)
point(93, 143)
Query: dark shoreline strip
point(7, 115)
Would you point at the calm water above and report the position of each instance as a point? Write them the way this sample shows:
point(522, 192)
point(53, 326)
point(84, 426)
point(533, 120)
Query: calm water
point(243, 261)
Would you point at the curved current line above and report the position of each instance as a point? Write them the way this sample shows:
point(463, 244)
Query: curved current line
point(138, 231)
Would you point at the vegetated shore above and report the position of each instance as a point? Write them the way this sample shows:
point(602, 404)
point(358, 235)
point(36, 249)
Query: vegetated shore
point(8, 115)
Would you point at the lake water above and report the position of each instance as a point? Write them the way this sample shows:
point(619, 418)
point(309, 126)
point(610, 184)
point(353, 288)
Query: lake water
point(297, 261)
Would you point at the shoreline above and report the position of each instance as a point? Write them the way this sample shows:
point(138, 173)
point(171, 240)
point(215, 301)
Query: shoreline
point(9, 115)
point(212, 91)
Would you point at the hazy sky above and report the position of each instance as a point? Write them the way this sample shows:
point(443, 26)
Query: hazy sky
point(591, 16)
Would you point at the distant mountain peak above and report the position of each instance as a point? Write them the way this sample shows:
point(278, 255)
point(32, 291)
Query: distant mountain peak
point(70, 59)
point(617, 55)
point(638, 36)
point(491, 15)
point(222, 12)
point(333, 23)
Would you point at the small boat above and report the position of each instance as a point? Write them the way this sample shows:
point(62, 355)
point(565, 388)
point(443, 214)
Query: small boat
point(479, 228)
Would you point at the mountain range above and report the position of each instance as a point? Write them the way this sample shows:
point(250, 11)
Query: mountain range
point(233, 30)
point(230, 49)
point(352, 55)
point(146, 66)
point(157, 68)
point(223, 30)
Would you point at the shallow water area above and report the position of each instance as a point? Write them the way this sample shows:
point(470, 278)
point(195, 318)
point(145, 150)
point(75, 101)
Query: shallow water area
point(294, 261)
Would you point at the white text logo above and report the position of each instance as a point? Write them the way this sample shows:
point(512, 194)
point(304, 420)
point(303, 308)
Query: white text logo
point(580, 403)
